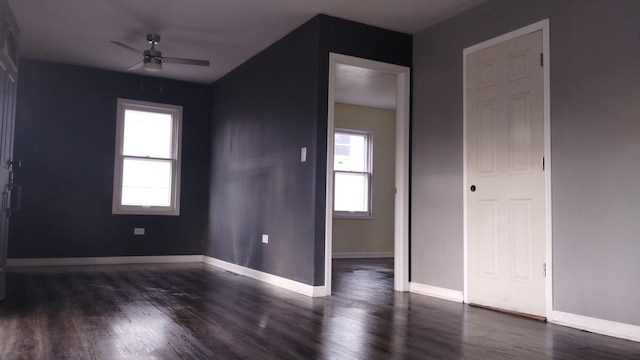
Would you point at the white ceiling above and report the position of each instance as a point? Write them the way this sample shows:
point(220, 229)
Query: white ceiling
point(225, 32)
point(365, 87)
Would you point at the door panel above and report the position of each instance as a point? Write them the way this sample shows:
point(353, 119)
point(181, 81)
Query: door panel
point(487, 146)
point(519, 134)
point(505, 197)
point(521, 237)
point(488, 237)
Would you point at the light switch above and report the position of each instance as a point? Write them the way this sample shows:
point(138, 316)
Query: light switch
point(303, 154)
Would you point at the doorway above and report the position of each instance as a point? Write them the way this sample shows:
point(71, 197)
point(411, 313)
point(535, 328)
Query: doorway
point(401, 170)
point(507, 219)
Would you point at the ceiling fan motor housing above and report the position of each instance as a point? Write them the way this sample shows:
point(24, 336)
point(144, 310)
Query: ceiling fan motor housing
point(152, 60)
point(153, 54)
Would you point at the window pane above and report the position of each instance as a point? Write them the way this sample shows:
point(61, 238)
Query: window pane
point(351, 192)
point(343, 150)
point(147, 134)
point(146, 182)
point(350, 152)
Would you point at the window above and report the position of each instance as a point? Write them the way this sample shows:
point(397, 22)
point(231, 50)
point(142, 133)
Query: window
point(147, 162)
point(352, 173)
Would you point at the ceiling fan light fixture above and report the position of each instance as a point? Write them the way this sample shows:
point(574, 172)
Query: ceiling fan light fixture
point(152, 64)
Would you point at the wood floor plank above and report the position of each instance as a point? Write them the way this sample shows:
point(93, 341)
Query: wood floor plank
point(194, 311)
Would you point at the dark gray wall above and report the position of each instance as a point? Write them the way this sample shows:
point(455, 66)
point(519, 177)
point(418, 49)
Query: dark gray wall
point(65, 137)
point(595, 132)
point(263, 113)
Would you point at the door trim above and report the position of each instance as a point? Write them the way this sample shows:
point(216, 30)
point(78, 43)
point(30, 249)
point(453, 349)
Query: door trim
point(401, 211)
point(544, 27)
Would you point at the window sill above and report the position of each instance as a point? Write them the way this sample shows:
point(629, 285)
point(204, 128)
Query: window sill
point(145, 211)
point(354, 216)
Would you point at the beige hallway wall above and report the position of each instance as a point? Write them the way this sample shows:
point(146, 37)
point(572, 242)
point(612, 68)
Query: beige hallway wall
point(372, 235)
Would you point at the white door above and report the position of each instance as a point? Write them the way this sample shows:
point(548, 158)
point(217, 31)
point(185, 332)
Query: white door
point(505, 188)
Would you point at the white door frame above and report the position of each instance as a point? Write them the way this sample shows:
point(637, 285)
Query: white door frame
point(401, 217)
point(544, 27)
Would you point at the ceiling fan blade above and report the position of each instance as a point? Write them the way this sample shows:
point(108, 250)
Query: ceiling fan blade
point(182, 61)
point(126, 46)
point(136, 66)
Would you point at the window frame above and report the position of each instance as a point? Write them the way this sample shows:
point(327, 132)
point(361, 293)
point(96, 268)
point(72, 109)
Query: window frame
point(368, 214)
point(176, 141)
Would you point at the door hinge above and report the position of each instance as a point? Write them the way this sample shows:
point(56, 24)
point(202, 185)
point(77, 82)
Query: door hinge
point(541, 59)
point(543, 166)
point(544, 269)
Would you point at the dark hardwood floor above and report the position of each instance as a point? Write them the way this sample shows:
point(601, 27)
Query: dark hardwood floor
point(194, 311)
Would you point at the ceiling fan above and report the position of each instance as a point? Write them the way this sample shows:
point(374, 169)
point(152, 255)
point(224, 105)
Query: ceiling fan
point(152, 59)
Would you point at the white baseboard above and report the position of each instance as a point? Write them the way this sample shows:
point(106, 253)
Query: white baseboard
point(301, 288)
point(438, 292)
point(105, 260)
point(361, 255)
point(595, 325)
point(309, 290)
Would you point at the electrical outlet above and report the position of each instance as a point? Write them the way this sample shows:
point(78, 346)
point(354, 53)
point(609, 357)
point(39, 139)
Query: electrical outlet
point(265, 238)
point(138, 231)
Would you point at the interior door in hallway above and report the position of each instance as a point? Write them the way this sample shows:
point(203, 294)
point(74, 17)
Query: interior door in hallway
point(505, 178)
point(8, 86)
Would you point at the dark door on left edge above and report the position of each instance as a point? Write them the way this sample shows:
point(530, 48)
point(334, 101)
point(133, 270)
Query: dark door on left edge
point(11, 192)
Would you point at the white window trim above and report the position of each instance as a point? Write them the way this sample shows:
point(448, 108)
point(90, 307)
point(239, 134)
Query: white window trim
point(176, 112)
point(363, 215)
